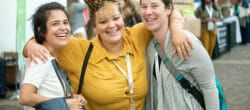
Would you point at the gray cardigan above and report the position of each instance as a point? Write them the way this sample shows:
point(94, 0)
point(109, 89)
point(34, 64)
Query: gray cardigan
point(167, 94)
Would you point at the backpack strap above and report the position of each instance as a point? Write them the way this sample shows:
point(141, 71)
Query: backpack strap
point(84, 66)
point(65, 85)
point(179, 77)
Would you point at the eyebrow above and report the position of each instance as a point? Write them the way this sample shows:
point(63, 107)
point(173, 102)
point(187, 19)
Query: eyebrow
point(154, 3)
point(59, 20)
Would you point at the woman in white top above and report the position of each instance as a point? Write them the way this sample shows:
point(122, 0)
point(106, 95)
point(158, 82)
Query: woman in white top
point(52, 30)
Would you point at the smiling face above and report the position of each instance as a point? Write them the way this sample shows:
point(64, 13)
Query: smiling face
point(154, 14)
point(58, 29)
point(109, 24)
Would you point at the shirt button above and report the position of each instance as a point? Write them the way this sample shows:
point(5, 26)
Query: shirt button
point(126, 93)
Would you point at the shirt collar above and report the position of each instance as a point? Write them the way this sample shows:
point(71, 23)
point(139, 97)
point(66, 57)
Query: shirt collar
point(101, 53)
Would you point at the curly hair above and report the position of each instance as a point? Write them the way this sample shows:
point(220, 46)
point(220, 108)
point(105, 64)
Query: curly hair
point(40, 18)
point(95, 5)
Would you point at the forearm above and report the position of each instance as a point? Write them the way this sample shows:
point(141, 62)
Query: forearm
point(29, 96)
point(176, 21)
point(33, 99)
point(202, 69)
point(211, 98)
point(206, 81)
point(25, 50)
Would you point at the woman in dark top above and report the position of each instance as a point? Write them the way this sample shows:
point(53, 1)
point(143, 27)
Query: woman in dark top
point(209, 12)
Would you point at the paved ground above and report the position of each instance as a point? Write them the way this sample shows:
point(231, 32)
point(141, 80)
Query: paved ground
point(233, 72)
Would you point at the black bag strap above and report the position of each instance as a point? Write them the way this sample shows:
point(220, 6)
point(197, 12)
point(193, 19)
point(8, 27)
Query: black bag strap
point(196, 93)
point(84, 66)
point(65, 85)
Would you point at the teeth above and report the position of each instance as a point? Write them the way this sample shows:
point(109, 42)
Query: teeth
point(150, 19)
point(61, 35)
point(110, 32)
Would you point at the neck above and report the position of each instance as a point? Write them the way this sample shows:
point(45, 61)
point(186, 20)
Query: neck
point(161, 35)
point(52, 50)
point(114, 48)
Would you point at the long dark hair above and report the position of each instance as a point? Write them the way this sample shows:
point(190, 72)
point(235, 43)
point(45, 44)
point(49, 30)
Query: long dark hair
point(203, 5)
point(40, 18)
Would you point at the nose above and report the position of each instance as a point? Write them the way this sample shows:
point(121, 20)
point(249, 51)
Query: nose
point(62, 27)
point(148, 10)
point(111, 24)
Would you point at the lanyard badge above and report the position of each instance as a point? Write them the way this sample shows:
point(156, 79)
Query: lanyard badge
point(129, 78)
point(210, 25)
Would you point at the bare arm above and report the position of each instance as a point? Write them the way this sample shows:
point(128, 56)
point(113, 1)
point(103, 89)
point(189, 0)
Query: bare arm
point(180, 41)
point(29, 97)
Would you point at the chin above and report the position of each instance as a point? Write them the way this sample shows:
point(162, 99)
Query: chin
point(63, 43)
point(116, 39)
point(151, 28)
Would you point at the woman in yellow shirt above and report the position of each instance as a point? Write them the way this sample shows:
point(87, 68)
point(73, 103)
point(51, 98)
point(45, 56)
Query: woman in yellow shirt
point(116, 75)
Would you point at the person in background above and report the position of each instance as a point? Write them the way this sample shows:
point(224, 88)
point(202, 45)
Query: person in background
point(130, 12)
point(90, 30)
point(165, 93)
point(244, 6)
point(77, 24)
point(115, 78)
point(209, 12)
point(52, 30)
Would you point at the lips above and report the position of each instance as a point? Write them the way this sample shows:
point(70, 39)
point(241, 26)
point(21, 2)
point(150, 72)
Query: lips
point(150, 20)
point(112, 32)
point(61, 36)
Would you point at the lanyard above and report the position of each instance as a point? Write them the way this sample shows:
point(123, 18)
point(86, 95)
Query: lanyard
point(129, 77)
point(210, 11)
point(210, 24)
point(157, 69)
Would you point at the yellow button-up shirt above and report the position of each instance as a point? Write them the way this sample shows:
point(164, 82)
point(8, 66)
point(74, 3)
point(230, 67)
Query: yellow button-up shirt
point(105, 87)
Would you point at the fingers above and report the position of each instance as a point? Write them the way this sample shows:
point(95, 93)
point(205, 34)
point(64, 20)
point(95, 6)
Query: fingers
point(28, 61)
point(179, 52)
point(174, 50)
point(74, 104)
point(35, 50)
point(190, 43)
point(187, 48)
point(82, 100)
point(46, 53)
point(41, 55)
point(33, 57)
point(184, 52)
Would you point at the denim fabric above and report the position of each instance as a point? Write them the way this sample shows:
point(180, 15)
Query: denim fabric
point(53, 104)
